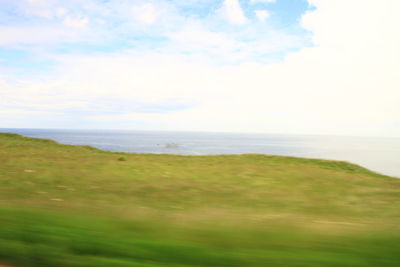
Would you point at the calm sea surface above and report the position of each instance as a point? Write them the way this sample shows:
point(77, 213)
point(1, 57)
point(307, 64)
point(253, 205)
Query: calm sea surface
point(378, 154)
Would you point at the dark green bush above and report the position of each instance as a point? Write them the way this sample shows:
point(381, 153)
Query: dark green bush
point(122, 159)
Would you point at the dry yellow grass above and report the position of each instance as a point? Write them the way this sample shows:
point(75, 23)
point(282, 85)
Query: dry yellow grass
point(255, 206)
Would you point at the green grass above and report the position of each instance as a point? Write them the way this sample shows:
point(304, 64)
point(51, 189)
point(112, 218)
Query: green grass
point(64, 205)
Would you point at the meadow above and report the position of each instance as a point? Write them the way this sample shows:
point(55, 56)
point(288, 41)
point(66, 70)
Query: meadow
point(63, 205)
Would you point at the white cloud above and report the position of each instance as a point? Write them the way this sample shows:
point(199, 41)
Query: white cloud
point(145, 13)
point(232, 11)
point(28, 35)
point(61, 12)
point(346, 84)
point(35, 2)
point(262, 1)
point(38, 8)
point(195, 39)
point(76, 22)
point(262, 15)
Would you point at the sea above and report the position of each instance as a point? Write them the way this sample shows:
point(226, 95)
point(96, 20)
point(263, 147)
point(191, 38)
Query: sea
point(378, 154)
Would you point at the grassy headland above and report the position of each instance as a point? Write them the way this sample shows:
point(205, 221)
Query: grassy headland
point(63, 205)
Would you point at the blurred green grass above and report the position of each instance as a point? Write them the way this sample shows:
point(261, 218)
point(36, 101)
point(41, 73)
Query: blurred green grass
point(64, 205)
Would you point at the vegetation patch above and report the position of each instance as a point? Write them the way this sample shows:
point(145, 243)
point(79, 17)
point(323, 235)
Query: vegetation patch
point(63, 205)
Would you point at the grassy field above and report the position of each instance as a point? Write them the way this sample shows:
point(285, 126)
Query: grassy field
point(64, 205)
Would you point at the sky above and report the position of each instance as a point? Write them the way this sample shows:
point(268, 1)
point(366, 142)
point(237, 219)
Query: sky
point(329, 67)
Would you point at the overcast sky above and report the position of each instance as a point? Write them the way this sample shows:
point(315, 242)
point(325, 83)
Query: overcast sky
point(272, 66)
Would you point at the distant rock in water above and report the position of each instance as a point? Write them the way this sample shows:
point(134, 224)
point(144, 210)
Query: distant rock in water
point(171, 145)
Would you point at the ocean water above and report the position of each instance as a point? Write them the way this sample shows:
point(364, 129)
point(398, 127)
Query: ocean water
point(378, 154)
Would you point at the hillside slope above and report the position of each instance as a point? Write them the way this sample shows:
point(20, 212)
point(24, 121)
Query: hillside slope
point(63, 205)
